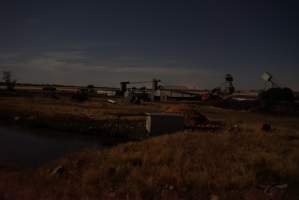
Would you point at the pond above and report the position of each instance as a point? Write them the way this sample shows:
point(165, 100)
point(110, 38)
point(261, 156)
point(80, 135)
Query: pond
point(30, 148)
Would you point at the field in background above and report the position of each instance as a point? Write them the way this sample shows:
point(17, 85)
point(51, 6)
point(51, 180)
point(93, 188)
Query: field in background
point(237, 161)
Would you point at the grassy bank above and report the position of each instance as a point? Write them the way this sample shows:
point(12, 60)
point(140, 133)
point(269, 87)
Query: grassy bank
point(238, 161)
point(96, 116)
point(229, 164)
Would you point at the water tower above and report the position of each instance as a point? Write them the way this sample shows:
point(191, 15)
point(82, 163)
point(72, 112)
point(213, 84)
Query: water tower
point(228, 84)
point(155, 85)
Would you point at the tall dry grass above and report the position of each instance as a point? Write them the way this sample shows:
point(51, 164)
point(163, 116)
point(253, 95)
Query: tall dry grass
point(180, 166)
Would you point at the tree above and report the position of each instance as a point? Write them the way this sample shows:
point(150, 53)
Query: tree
point(10, 84)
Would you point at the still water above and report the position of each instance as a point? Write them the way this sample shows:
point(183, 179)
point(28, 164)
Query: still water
point(29, 148)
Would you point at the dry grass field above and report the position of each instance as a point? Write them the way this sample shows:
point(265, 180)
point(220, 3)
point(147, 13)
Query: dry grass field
point(238, 161)
point(96, 109)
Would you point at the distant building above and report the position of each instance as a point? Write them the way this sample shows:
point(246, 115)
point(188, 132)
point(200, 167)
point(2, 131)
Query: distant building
point(106, 93)
point(175, 93)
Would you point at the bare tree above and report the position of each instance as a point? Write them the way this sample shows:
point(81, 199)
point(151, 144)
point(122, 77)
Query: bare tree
point(8, 82)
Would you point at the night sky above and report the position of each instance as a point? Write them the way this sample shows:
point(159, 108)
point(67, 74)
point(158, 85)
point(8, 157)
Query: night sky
point(192, 43)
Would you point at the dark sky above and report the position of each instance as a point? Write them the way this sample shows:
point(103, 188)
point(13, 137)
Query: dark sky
point(193, 43)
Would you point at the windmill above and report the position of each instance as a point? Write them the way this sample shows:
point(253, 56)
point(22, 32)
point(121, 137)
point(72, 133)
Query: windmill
point(268, 78)
point(274, 94)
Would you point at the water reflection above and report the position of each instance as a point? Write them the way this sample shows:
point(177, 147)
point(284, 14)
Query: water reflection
point(23, 147)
